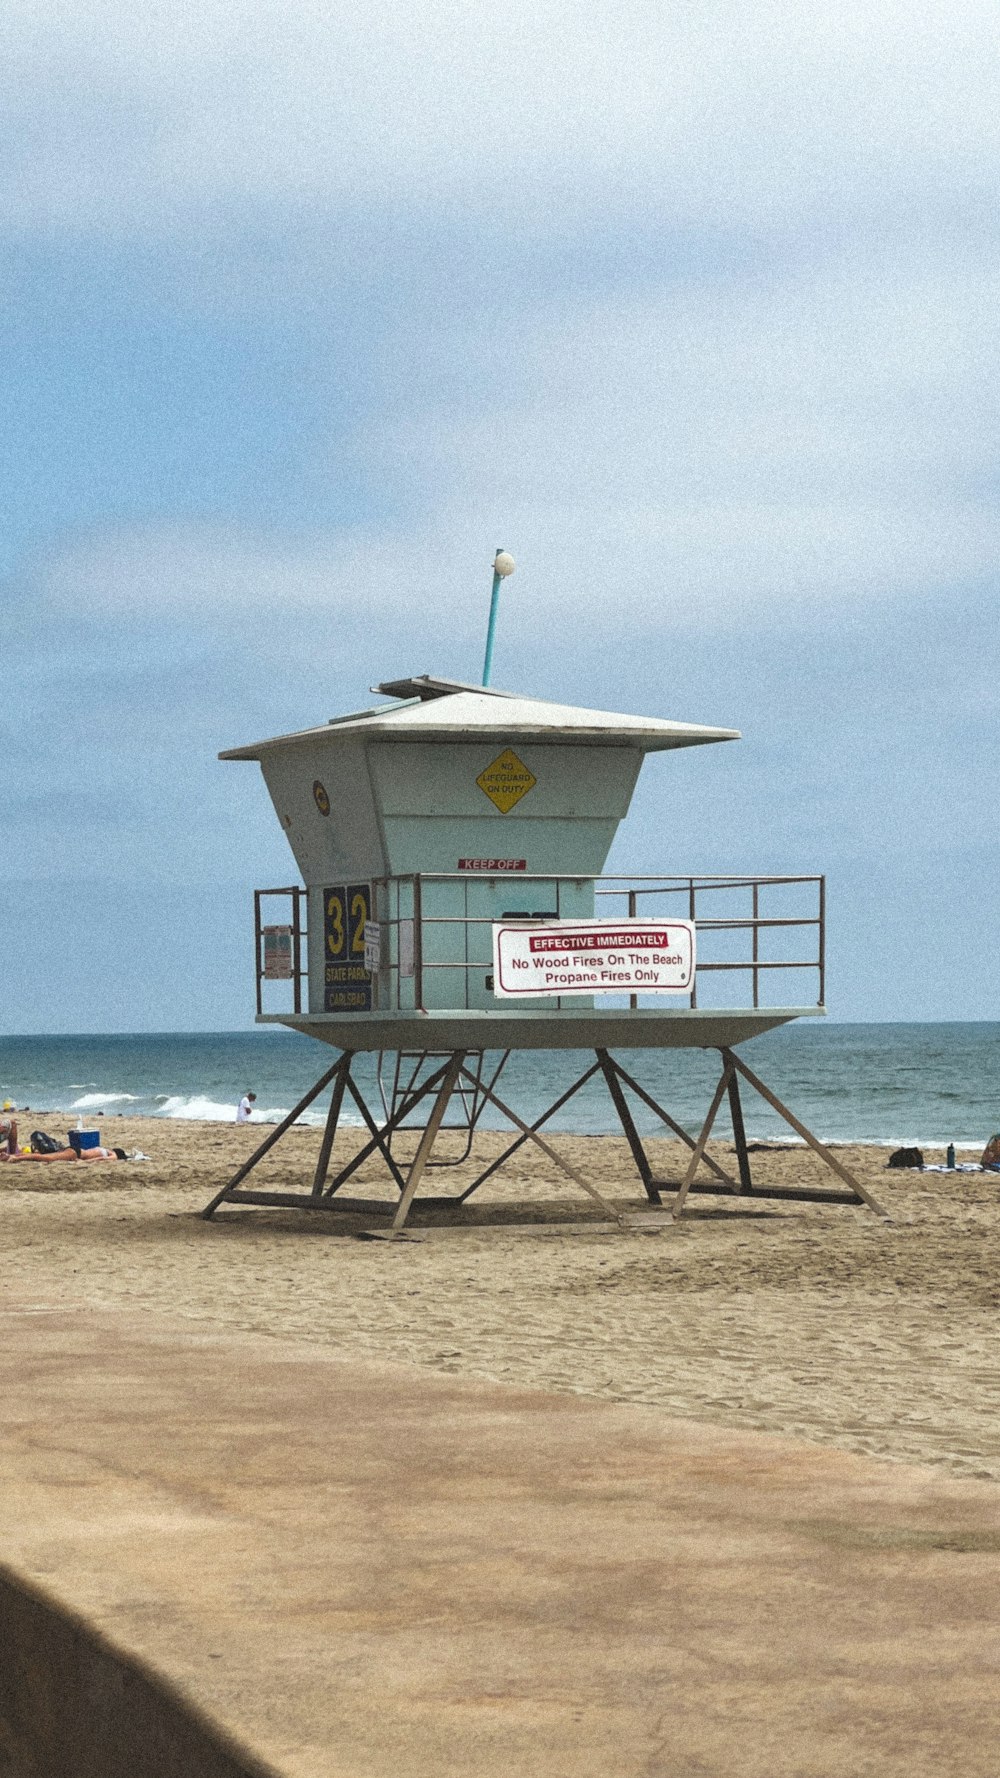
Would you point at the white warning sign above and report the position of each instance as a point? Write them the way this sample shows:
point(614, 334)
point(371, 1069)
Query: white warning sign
point(593, 957)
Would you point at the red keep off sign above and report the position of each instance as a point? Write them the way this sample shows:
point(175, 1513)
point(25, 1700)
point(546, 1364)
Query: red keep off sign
point(495, 865)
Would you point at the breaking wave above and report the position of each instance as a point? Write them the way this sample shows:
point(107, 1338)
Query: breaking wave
point(97, 1101)
point(200, 1109)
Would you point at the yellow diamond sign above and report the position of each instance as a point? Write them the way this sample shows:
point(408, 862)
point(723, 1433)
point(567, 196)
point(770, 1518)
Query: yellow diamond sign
point(506, 781)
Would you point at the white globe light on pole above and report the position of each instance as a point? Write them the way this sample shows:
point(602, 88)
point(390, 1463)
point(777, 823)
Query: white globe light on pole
point(503, 564)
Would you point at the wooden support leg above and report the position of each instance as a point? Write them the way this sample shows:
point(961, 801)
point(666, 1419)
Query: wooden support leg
point(533, 1136)
point(627, 1122)
point(814, 1142)
point(647, 1099)
point(428, 1139)
point(332, 1120)
point(677, 1206)
point(739, 1133)
point(269, 1141)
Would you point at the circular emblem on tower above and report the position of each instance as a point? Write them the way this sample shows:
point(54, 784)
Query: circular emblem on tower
point(320, 798)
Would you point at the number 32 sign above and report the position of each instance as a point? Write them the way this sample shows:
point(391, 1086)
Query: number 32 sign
point(347, 984)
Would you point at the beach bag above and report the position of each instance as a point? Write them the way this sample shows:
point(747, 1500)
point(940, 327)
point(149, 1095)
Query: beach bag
point(906, 1157)
point(991, 1153)
point(42, 1144)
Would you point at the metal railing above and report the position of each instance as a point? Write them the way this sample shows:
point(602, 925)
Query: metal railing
point(688, 888)
point(298, 936)
point(408, 927)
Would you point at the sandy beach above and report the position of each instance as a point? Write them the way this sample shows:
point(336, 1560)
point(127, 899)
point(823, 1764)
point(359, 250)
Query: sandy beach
point(815, 1321)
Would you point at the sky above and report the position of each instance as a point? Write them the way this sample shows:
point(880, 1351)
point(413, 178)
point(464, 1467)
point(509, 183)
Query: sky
point(307, 308)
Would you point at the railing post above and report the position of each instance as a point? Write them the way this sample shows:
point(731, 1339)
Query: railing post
point(256, 946)
point(296, 948)
point(633, 999)
point(822, 942)
point(418, 942)
point(396, 1006)
point(756, 951)
point(465, 937)
point(691, 917)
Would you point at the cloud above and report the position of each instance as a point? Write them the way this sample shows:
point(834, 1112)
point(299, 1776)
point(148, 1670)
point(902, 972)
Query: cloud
point(718, 109)
point(790, 411)
point(694, 312)
point(764, 446)
point(203, 580)
point(720, 449)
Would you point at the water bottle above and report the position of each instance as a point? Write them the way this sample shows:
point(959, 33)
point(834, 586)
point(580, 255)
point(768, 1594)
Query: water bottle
point(949, 1159)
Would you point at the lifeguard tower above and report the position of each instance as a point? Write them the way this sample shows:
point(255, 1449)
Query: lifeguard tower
point(452, 843)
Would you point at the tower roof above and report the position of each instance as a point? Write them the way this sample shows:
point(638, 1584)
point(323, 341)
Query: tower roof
point(431, 709)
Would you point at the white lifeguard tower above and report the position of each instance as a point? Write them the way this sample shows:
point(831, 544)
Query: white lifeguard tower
point(452, 844)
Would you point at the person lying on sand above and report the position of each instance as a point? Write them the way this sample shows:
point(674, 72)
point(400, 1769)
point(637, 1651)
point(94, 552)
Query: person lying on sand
point(72, 1154)
point(8, 1135)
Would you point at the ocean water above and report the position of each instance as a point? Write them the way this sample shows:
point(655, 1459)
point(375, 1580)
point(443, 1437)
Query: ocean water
point(888, 1084)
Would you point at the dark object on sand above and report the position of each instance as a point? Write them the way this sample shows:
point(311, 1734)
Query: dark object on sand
point(42, 1144)
point(906, 1157)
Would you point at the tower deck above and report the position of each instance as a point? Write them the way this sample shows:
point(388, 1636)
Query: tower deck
point(568, 1029)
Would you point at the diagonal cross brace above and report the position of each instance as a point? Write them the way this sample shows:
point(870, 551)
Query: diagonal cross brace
point(533, 1136)
point(677, 1206)
point(379, 1139)
point(429, 1137)
point(269, 1141)
point(671, 1123)
point(830, 1160)
point(513, 1147)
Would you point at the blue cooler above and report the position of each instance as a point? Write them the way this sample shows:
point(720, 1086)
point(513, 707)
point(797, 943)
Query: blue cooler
point(84, 1139)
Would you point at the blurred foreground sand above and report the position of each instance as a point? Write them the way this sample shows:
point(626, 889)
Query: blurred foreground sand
point(815, 1321)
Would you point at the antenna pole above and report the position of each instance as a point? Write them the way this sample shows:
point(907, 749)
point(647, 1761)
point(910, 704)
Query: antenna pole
point(502, 566)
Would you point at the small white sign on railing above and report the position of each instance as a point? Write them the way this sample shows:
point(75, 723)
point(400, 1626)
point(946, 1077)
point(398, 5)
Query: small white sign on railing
point(593, 957)
point(277, 953)
point(373, 946)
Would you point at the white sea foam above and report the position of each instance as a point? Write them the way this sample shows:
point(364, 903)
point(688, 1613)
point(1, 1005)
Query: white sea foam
point(199, 1109)
point(94, 1101)
point(315, 1119)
